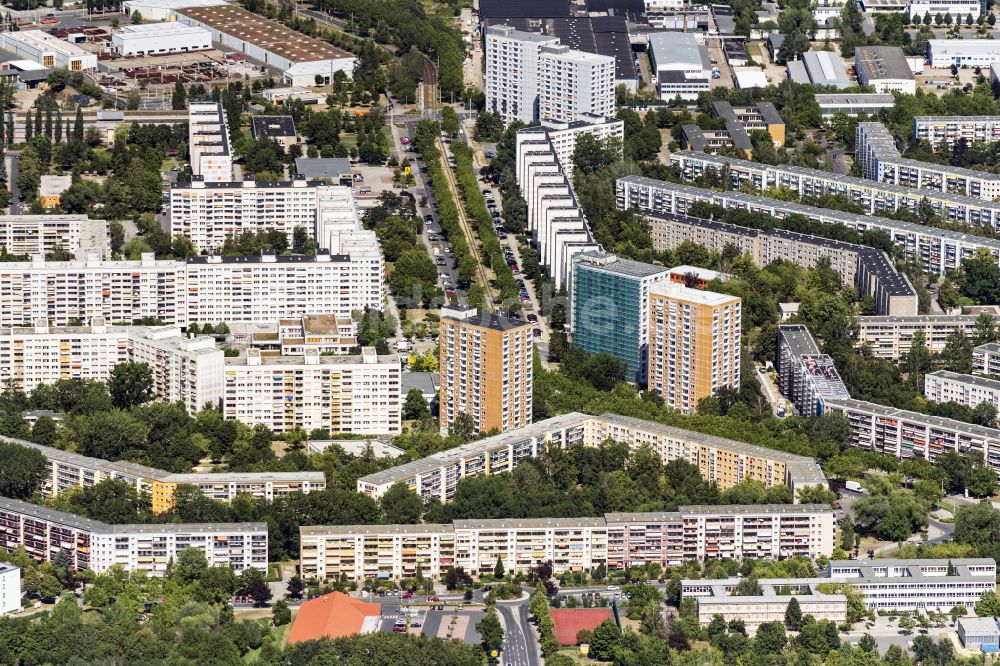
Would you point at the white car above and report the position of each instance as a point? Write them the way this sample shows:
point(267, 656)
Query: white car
point(613, 588)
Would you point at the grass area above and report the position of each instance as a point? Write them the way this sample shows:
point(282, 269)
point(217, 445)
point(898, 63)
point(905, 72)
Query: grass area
point(279, 634)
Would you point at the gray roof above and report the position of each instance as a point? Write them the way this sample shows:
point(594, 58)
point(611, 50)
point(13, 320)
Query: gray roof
point(609, 263)
point(883, 62)
point(678, 47)
point(975, 380)
point(425, 382)
point(916, 417)
point(798, 339)
point(826, 69)
point(855, 98)
point(529, 523)
point(979, 626)
point(322, 167)
point(797, 71)
point(988, 348)
point(364, 530)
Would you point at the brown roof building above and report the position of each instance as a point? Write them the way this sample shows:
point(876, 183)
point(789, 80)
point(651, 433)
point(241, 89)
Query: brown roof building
point(332, 616)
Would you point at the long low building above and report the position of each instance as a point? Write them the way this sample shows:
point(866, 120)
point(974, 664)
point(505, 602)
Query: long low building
point(905, 434)
point(67, 470)
point(891, 337)
point(948, 130)
point(874, 198)
point(879, 159)
point(868, 269)
point(962, 52)
point(199, 289)
point(31, 235)
point(886, 585)
point(723, 461)
point(160, 38)
point(968, 390)
point(854, 104)
point(618, 541)
point(935, 250)
point(91, 544)
point(48, 50)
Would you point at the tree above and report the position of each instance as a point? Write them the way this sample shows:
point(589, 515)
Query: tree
point(490, 631)
point(280, 613)
point(793, 615)
point(988, 605)
point(770, 638)
point(400, 505)
point(605, 640)
point(907, 624)
point(178, 101)
point(295, 587)
point(260, 592)
point(449, 120)
point(847, 541)
point(22, 471)
point(498, 570)
point(191, 565)
point(130, 384)
point(415, 406)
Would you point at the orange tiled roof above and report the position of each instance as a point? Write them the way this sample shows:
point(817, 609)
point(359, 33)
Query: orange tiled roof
point(331, 616)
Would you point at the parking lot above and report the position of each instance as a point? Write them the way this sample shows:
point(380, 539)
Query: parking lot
point(450, 623)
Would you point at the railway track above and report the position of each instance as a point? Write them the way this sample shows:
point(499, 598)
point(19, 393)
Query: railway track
point(463, 221)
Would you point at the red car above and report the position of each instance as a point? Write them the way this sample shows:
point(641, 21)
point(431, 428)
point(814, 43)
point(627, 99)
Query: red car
point(407, 595)
point(433, 598)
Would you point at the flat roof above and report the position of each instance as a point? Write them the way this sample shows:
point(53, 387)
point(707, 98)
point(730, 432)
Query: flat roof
point(528, 523)
point(607, 262)
point(670, 47)
point(989, 347)
point(883, 62)
point(167, 29)
point(717, 509)
point(490, 320)
point(831, 99)
point(825, 68)
point(322, 167)
point(366, 530)
point(958, 378)
point(268, 35)
point(495, 9)
point(798, 339)
point(700, 296)
point(954, 47)
point(43, 41)
point(273, 126)
point(917, 417)
point(979, 626)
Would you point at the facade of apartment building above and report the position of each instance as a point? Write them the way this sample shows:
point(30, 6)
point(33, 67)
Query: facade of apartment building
point(723, 461)
point(876, 198)
point(90, 544)
point(880, 160)
point(968, 390)
point(905, 434)
point(200, 289)
point(512, 63)
point(342, 394)
point(805, 376)
point(617, 540)
point(31, 235)
point(187, 370)
point(68, 470)
point(934, 249)
point(694, 344)
point(886, 585)
point(891, 337)
point(10, 588)
point(609, 308)
point(485, 369)
point(208, 142)
point(572, 84)
point(948, 130)
point(986, 359)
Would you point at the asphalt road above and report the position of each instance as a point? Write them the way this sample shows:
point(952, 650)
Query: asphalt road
point(520, 645)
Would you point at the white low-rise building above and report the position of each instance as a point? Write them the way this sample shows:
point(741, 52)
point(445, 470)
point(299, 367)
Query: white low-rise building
point(341, 394)
point(962, 52)
point(968, 390)
point(10, 588)
point(160, 38)
point(47, 50)
point(885, 68)
point(854, 104)
point(959, 9)
point(163, 10)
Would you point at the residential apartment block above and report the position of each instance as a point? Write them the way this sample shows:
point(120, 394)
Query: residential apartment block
point(609, 308)
point(187, 370)
point(342, 394)
point(208, 142)
point(986, 359)
point(934, 249)
point(905, 434)
point(868, 269)
point(880, 160)
point(968, 390)
point(544, 166)
point(886, 585)
point(486, 369)
point(948, 130)
point(891, 337)
point(210, 212)
point(67, 470)
point(199, 289)
point(10, 588)
point(90, 544)
point(530, 76)
point(723, 461)
point(806, 377)
point(694, 344)
point(875, 198)
point(31, 235)
point(617, 540)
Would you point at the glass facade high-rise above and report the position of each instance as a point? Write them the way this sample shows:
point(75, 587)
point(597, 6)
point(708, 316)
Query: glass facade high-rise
point(609, 308)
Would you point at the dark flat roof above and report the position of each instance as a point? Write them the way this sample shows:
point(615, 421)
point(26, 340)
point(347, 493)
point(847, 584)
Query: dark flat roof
point(500, 9)
point(273, 126)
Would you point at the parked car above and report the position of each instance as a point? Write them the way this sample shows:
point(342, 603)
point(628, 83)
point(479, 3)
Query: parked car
point(433, 598)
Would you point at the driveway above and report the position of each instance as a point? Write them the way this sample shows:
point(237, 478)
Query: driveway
point(520, 643)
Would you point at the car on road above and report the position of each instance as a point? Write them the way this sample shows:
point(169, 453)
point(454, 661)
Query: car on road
point(428, 218)
point(399, 628)
point(537, 332)
point(613, 588)
point(532, 317)
point(487, 193)
point(433, 598)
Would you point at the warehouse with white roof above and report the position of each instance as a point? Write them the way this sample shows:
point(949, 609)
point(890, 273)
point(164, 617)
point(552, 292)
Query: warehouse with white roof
point(163, 10)
point(160, 38)
point(962, 52)
point(47, 50)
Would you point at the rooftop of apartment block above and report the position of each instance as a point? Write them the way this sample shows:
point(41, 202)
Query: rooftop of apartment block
point(975, 380)
point(609, 263)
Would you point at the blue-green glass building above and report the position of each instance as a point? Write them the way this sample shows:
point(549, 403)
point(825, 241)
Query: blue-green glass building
point(609, 307)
